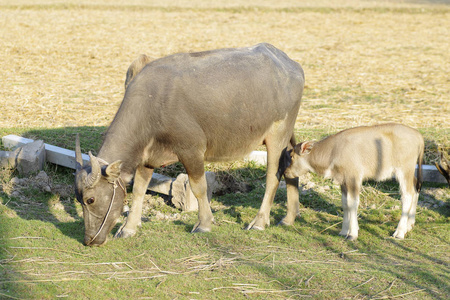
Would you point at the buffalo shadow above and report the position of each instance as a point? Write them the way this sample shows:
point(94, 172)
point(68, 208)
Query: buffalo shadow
point(31, 202)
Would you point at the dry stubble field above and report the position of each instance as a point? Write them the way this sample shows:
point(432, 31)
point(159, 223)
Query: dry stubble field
point(366, 62)
point(64, 65)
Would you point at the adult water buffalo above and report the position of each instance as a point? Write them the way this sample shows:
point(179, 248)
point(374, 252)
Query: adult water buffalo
point(193, 107)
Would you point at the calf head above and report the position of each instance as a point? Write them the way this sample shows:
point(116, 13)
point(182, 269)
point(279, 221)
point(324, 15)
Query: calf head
point(298, 158)
point(101, 193)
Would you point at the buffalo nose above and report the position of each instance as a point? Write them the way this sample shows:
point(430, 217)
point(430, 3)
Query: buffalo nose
point(89, 242)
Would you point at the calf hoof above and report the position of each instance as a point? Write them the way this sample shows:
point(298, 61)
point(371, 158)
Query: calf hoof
point(343, 233)
point(351, 237)
point(410, 226)
point(399, 235)
point(125, 233)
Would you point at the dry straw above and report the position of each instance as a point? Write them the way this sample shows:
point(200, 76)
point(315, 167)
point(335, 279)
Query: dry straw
point(366, 62)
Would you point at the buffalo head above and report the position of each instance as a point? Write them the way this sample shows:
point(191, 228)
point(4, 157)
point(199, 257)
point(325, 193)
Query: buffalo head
point(101, 192)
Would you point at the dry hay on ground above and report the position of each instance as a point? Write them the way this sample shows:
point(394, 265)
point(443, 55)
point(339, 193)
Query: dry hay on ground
point(66, 66)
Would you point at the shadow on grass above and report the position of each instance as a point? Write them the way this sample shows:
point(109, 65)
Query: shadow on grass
point(26, 196)
point(408, 262)
point(90, 137)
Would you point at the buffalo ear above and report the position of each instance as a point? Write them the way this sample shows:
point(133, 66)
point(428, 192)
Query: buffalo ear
point(136, 67)
point(112, 171)
point(304, 148)
point(284, 163)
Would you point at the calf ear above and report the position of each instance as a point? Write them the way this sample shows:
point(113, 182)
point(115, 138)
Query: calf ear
point(112, 171)
point(304, 148)
point(284, 163)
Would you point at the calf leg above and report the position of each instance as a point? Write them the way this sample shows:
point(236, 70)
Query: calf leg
point(142, 178)
point(409, 201)
point(346, 220)
point(350, 203)
point(412, 212)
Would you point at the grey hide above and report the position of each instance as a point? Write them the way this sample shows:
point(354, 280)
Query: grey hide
point(210, 106)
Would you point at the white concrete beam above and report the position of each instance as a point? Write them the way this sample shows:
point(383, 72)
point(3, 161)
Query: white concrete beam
point(66, 158)
point(56, 155)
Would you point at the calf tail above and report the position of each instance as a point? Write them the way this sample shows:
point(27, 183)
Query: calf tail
point(419, 170)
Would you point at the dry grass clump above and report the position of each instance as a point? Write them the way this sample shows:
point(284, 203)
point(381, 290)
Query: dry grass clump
point(65, 65)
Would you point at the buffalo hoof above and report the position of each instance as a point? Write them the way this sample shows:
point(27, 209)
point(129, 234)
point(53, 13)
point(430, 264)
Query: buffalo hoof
point(254, 227)
point(283, 222)
point(124, 233)
point(198, 228)
point(258, 223)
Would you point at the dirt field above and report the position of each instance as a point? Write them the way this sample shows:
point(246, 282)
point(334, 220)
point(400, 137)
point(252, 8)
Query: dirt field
point(365, 61)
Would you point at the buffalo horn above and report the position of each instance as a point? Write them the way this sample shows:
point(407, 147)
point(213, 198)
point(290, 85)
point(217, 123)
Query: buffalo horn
point(95, 174)
point(78, 156)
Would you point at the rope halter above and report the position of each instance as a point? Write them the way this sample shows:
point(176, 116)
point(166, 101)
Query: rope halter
point(116, 183)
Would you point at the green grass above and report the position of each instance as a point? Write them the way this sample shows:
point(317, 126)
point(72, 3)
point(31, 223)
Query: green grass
point(42, 255)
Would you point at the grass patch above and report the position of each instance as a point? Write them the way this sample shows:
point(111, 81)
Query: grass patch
point(42, 255)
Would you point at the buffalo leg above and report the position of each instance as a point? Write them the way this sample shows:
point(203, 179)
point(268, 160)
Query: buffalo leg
point(273, 158)
point(293, 204)
point(142, 179)
point(205, 217)
point(195, 168)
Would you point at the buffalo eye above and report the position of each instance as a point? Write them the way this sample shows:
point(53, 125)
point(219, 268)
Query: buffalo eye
point(90, 200)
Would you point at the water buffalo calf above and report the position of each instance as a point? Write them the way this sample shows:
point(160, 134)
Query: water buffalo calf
point(353, 155)
point(192, 107)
